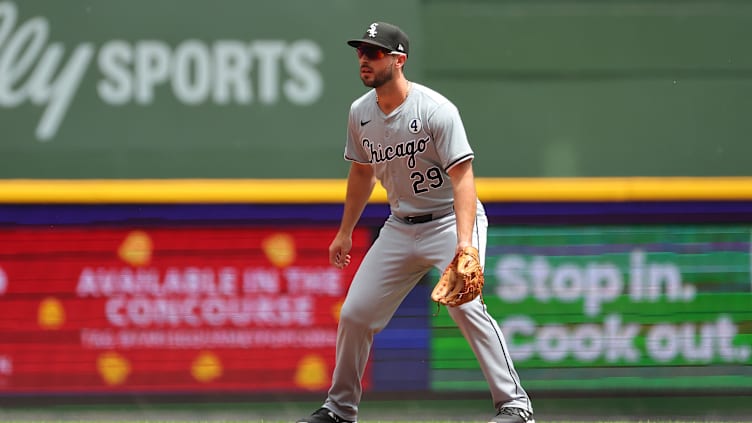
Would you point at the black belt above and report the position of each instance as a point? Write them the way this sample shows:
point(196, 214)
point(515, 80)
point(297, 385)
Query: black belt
point(423, 218)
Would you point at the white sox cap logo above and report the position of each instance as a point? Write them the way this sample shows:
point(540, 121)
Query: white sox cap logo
point(384, 35)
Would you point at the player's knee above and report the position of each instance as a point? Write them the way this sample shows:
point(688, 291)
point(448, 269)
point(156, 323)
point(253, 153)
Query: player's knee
point(464, 311)
point(349, 315)
point(360, 317)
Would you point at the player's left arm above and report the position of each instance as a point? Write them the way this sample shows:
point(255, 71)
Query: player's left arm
point(465, 201)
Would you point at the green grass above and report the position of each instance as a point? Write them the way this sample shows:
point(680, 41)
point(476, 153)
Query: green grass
point(548, 410)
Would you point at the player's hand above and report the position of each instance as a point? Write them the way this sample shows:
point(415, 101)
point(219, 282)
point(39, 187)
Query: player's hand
point(461, 246)
point(339, 251)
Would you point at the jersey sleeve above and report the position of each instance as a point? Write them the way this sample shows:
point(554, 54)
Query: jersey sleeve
point(449, 136)
point(353, 149)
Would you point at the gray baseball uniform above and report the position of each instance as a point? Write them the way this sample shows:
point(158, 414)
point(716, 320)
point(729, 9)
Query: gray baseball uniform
point(411, 150)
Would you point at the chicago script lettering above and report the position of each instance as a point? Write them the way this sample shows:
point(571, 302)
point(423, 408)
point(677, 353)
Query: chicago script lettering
point(387, 153)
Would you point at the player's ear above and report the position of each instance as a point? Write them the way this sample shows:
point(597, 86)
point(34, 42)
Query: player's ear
point(401, 59)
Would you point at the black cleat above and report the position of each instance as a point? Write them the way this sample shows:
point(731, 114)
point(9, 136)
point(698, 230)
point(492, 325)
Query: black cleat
point(324, 415)
point(512, 415)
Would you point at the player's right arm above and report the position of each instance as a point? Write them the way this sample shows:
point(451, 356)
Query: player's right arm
point(360, 183)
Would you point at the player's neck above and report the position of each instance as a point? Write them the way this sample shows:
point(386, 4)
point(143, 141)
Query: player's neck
point(390, 96)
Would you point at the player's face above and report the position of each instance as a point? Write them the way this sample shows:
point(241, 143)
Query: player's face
point(376, 65)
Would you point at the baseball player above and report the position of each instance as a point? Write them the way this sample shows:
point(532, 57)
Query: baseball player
point(412, 140)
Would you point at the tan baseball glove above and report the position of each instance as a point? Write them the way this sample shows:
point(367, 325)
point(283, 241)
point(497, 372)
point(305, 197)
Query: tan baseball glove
point(462, 281)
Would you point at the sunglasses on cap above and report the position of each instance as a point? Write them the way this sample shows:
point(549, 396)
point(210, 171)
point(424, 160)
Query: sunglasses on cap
point(373, 52)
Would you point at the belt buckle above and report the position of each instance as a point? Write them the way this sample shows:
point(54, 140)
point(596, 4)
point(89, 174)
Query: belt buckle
point(423, 218)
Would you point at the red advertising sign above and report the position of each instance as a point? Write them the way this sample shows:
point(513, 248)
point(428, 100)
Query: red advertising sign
point(169, 309)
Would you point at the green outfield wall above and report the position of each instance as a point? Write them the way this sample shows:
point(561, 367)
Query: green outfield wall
point(237, 89)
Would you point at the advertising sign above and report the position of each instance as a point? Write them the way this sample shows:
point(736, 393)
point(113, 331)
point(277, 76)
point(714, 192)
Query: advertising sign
point(169, 309)
point(180, 89)
point(615, 307)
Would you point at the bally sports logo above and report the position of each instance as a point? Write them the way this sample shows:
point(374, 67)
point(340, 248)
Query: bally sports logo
point(35, 69)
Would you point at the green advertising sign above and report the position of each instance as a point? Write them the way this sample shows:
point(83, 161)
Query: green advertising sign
point(180, 88)
point(627, 307)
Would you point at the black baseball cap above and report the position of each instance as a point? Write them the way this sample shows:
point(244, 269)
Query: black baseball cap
point(384, 35)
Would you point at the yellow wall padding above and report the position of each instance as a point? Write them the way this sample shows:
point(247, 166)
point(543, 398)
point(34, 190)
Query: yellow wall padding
point(98, 191)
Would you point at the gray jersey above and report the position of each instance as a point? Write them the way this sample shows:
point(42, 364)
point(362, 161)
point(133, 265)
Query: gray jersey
point(411, 149)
